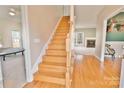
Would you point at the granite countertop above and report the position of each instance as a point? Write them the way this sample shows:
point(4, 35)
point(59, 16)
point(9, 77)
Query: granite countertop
point(7, 51)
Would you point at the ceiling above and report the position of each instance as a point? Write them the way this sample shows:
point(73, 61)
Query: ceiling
point(86, 15)
point(4, 10)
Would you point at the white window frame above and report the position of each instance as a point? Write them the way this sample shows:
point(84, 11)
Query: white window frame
point(76, 36)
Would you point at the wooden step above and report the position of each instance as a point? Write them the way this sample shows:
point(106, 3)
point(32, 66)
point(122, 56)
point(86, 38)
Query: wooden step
point(64, 25)
point(59, 31)
point(54, 59)
point(64, 40)
point(61, 34)
point(56, 46)
point(54, 64)
point(51, 66)
point(38, 84)
point(52, 74)
point(52, 70)
point(60, 37)
point(55, 41)
point(62, 29)
point(56, 53)
point(55, 80)
point(66, 17)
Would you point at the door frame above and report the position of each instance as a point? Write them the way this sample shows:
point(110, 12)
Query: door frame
point(104, 30)
point(121, 84)
point(26, 42)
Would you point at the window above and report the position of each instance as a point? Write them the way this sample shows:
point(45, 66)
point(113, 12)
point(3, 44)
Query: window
point(1, 41)
point(79, 38)
point(16, 39)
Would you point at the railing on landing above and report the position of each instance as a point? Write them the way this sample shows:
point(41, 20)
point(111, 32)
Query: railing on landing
point(70, 55)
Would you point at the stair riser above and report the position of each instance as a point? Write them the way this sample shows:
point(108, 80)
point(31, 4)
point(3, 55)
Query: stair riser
point(56, 42)
point(59, 38)
point(51, 80)
point(52, 70)
point(54, 59)
point(51, 67)
point(62, 31)
point(61, 34)
point(56, 53)
point(64, 25)
point(54, 64)
point(56, 47)
point(52, 74)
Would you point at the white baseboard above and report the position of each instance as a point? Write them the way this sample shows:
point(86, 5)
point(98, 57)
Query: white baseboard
point(98, 58)
point(43, 50)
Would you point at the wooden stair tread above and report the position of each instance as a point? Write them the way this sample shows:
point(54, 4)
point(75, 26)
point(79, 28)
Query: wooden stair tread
point(52, 70)
point(51, 74)
point(56, 52)
point(54, 59)
point(52, 66)
point(42, 84)
point(58, 41)
point(60, 34)
point(56, 64)
point(60, 37)
point(61, 31)
point(50, 79)
point(56, 46)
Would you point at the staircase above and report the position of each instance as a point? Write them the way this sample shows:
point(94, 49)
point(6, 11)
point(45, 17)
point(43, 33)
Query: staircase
point(53, 66)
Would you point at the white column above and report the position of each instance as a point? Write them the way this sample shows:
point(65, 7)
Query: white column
point(72, 20)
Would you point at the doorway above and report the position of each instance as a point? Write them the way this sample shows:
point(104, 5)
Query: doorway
point(12, 62)
point(114, 42)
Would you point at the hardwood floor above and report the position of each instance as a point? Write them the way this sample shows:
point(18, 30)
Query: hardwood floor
point(38, 84)
point(89, 73)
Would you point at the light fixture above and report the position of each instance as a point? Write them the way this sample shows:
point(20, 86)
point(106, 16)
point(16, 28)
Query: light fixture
point(12, 12)
point(12, 9)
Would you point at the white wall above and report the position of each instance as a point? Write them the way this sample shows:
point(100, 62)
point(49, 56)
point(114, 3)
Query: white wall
point(88, 33)
point(42, 21)
point(6, 26)
point(66, 10)
point(86, 15)
point(100, 33)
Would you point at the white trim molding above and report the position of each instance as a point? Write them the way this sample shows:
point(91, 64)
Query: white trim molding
point(104, 30)
point(26, 43)
point(43, 50)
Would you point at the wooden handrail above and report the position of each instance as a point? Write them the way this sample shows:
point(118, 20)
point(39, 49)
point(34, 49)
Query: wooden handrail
point(69, 63)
